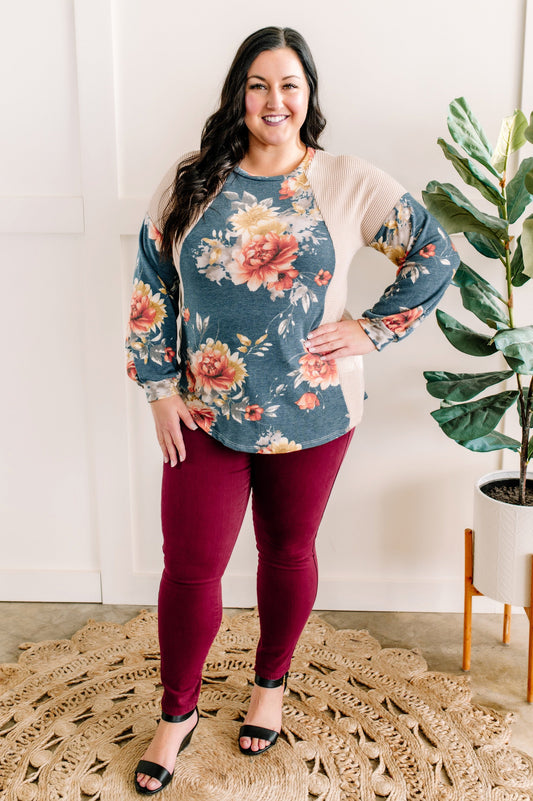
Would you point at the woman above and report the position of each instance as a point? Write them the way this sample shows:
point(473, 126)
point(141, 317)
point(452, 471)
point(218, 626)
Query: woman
point(246, 248)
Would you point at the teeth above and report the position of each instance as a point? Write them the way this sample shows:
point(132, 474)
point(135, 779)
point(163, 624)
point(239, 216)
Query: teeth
point(276, 119)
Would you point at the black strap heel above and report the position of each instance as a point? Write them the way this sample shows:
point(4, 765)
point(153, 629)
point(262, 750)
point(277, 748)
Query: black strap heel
point(258, 731)
point(158, 772)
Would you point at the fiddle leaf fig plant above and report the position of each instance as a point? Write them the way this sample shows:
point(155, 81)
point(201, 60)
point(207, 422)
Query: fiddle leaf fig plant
point(473, 423)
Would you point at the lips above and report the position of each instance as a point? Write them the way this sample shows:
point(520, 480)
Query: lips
point(275, 119)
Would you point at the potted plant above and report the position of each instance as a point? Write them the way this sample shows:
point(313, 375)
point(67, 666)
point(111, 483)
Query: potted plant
point(503, 508)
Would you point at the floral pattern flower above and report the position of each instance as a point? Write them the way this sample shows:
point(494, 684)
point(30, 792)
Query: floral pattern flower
point(308, 401)
point(262, 259)
point(254, 412)
point(317, 372)
point(275, 442)
point(202, 414)
point(215, 369)
point(323, 277)
point(400, 322)
point(147, 311)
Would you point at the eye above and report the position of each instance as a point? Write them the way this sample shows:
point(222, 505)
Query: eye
point(290, 86)
point(257, 86)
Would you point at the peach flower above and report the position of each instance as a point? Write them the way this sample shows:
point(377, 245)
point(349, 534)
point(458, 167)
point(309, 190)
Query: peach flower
point(154, 234)
point(284, 280)
point(428, 251)
point(253, 412)
point(399, 322)
point(317, 372)
point(323, 277)
point(262, 259)
point(215, 369)
point(131, 369)
point(169, 354)
point(186, 315)
point(203, 415)
point(308, 401)
point(147, 311)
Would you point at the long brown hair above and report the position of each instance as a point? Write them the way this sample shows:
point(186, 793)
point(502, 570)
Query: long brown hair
point(224, 139)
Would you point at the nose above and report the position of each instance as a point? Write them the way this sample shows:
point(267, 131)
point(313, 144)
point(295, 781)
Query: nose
point(274, 99)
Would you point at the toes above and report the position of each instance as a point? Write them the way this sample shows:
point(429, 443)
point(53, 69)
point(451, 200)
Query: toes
point(153, 784)
point(245, 742)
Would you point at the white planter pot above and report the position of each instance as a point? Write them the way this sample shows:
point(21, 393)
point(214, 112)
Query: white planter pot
point(503, 544)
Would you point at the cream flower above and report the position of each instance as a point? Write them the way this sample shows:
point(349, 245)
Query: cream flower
point(256, 219)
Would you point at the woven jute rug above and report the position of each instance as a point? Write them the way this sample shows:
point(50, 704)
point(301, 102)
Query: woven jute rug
point(359, 722)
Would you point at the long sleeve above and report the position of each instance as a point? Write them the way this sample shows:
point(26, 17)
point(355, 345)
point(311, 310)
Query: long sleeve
point(151, 341)
point(426, 260)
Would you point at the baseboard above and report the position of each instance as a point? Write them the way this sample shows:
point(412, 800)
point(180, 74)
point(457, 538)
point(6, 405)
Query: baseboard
point(73, 586)
point(239, 591)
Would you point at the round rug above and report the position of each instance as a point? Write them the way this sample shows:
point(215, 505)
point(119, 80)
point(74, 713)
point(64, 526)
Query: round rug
point(360, 722)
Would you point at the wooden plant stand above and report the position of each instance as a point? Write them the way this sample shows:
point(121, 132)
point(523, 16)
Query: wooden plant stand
point(470, 591)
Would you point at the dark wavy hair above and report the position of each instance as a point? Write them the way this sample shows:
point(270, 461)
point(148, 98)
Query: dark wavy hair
point(224, 139)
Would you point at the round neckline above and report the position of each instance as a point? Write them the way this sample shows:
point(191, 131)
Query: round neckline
point(306, 160)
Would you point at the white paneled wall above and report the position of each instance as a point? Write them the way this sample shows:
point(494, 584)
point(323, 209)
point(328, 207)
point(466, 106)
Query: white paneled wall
point(102, 96)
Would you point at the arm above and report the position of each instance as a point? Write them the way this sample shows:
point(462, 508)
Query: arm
point(426, 261)
point(151, 341)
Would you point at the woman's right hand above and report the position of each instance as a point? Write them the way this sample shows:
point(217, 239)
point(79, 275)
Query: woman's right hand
point(167, 414)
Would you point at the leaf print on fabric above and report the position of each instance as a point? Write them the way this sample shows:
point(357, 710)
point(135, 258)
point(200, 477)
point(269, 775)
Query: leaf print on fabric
point(261, 260)
point(147, 311)
point(216, 369)
point(275, 442)
point(317, 372)
point(214, 257)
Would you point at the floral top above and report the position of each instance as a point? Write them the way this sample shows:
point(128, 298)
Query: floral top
point(251, 283)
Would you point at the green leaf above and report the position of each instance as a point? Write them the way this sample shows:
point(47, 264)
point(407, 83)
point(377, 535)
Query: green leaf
point(480, 297)
point(518, 276)
point(467, 132)
point(458, 214)
point(527, 246)
point(518, 197)
point(492, 248)
point(528, 182)
point(528, 133)
point(462, 386)
point(466, 276)
point(492, 442)
point(463, 338)
point(471, 175)
point(516, 344)
point(511, 138)
point(466, 421)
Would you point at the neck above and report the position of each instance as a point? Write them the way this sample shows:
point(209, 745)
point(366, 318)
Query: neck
point(265, 160)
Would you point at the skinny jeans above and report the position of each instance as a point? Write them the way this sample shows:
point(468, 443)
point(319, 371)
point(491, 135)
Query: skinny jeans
point(203, 503)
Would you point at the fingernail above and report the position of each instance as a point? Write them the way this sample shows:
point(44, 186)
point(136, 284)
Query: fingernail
point(173, 464)
point(194, 427)
point(165, 460)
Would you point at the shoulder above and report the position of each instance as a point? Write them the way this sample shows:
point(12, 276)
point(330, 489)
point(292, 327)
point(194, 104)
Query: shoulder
point(163, 192)
point(357, 172)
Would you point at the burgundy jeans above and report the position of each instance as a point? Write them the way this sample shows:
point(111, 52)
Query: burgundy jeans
point(203, 503)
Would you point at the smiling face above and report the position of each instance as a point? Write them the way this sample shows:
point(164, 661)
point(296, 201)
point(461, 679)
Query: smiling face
point(276, 99)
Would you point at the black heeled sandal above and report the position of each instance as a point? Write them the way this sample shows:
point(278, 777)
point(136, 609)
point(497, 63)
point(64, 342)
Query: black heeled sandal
point(158, 772)
point(258, 731)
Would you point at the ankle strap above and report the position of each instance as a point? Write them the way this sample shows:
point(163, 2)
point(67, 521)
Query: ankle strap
point(269, 683)
point(176, 718)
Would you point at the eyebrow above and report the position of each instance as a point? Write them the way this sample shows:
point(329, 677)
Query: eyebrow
point(286, 78)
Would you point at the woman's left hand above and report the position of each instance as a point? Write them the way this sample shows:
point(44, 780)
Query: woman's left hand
point(335, 340)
